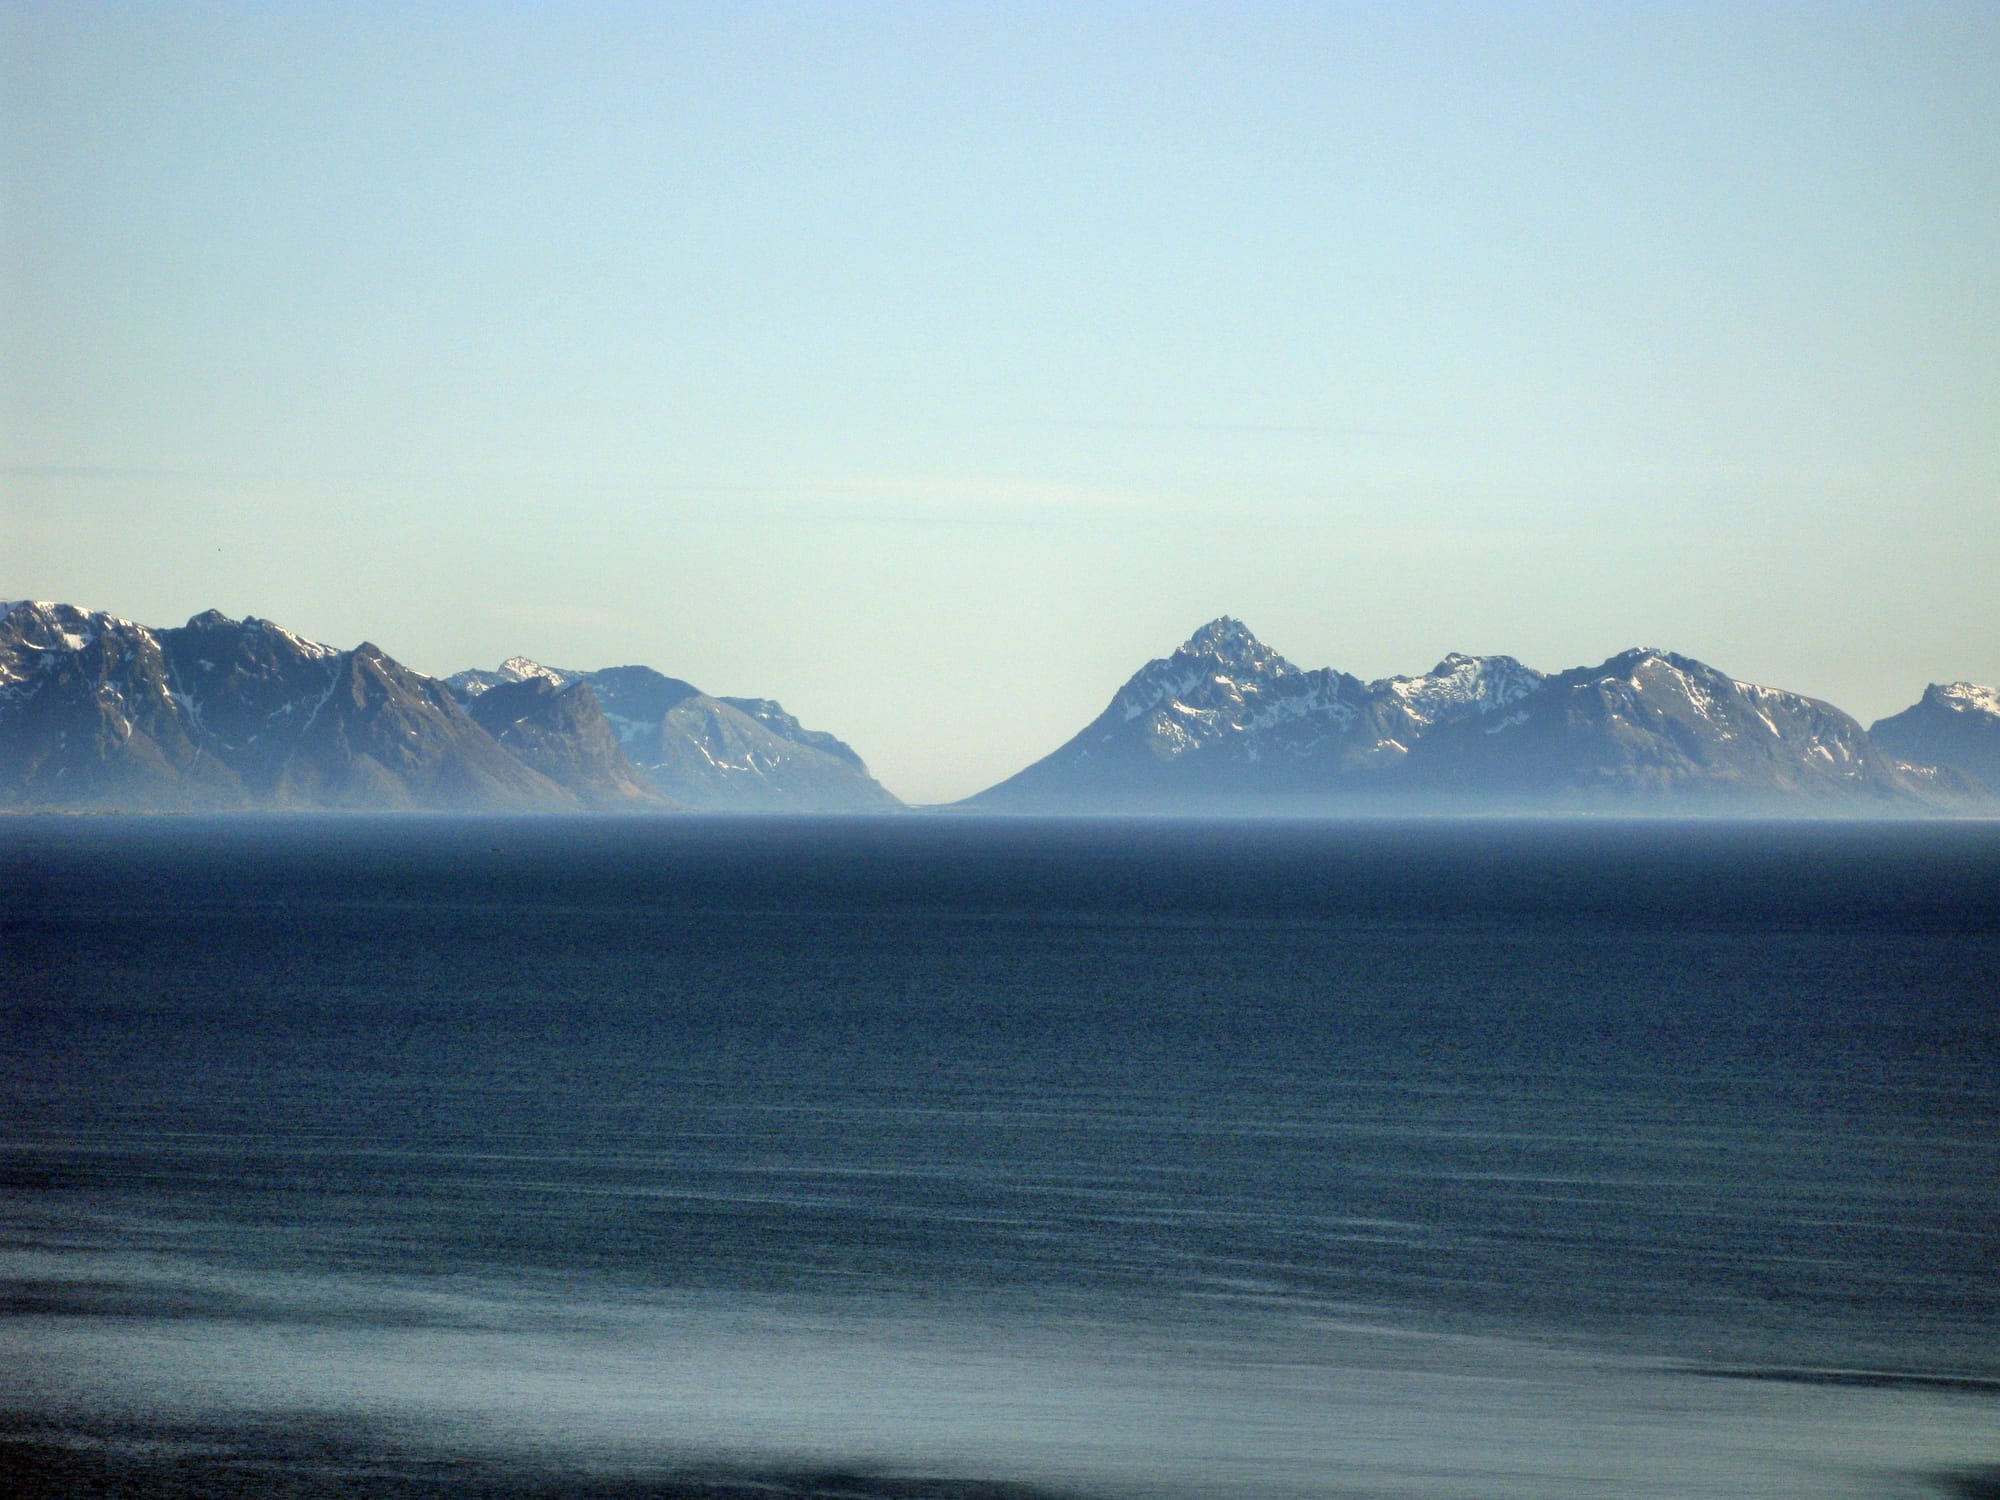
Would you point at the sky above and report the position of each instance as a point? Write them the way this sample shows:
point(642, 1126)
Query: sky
point(931, 367)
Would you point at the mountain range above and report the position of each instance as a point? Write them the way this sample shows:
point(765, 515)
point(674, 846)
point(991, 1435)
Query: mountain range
point(97, 712)
point(1227, 725)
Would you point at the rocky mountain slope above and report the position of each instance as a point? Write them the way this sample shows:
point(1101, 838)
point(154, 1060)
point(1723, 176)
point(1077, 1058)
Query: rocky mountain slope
point(1955, 726)
point(98, 712)
point(1226, 724)
point(714, 754)
point(561, 732)
point(1650, 728)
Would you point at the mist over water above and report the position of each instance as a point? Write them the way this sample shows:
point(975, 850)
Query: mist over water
point(1432, 1160)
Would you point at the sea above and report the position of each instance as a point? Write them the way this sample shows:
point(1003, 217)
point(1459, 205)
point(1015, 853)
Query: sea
point(940, 1158)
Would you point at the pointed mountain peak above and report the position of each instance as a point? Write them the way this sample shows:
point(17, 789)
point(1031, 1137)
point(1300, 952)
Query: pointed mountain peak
point(1221, 666)
point(1223, 633)
point(1230, 642)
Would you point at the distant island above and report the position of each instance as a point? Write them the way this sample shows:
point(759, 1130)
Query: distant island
point(100, 714)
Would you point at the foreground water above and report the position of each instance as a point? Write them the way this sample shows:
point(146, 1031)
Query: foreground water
point(919, 1156)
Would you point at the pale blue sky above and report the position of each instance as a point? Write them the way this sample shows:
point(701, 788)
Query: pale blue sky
point(930, 367)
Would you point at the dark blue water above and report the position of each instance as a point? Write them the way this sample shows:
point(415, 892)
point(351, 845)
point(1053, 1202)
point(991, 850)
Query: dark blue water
point(1439, 1159)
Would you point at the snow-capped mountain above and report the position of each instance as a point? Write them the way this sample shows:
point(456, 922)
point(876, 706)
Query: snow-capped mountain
point(1462, 687)
point(1224, 689)
point(469, 684)
point(716, 754)
point(1954, 726)
point(1227, 724)
point(1649, 727)
point(99, 712)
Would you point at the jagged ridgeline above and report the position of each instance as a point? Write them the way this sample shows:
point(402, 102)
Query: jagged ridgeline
point(99, 713)
point(1227, 725)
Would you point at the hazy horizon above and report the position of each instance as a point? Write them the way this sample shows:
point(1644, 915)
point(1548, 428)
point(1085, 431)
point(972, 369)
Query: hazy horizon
point(931, 370)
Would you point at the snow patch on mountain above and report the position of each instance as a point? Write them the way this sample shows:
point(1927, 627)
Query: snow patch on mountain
point(1199, 697)
point(310, 649)
point(522, 669)
point(473, 682)
point(1461, 685)
point(1966, 697)
point(1225, 684)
